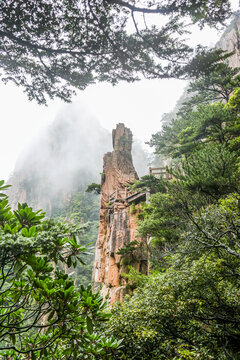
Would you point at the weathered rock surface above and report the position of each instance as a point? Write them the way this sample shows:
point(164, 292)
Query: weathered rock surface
point(230, 41)
point(118, 225)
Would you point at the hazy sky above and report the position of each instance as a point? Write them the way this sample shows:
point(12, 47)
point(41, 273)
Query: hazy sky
point(139, 105)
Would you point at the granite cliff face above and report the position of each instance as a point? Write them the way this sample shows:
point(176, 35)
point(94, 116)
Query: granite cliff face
point(230, 41)
point(118, 221)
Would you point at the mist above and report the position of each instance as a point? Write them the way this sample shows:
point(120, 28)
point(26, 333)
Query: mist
point(65, 157)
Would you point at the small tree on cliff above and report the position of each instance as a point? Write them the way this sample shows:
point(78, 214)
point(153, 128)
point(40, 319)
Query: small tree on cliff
point(51, 47)
point(94, 188)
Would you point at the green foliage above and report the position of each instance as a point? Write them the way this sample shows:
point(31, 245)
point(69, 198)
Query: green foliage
point(205, 144)
point(83, 208)
point(183, 308)
point(189, 308)
point(209, 123)
point(148, 183)
point(95, 188)
point(164, 227)
point(134, 278)
point(207, 62)
point(27, 217)
point(198, 121)
point(56, 47)
point(43, 314)
point(234, 101)
point(133, 209)
point(3, 188)
point(128, 248)
point(215, 86)
point(130, 253)
point(213, 169)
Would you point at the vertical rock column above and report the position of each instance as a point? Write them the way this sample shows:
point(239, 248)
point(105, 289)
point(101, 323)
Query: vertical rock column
point(118, 226)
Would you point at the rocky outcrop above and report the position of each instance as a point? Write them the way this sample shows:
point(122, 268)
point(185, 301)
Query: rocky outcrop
point(118, 220)
point(230, 41)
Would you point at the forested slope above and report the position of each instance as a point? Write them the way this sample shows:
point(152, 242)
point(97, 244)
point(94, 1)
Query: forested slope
point(189, 307)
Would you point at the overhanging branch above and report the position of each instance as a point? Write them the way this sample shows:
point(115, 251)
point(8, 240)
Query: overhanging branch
point(158, 10)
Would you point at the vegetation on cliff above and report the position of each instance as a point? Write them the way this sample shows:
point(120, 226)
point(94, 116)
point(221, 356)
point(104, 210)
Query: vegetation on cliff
point(189, 307)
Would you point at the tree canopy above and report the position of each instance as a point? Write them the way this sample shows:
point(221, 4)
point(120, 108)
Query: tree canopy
point(43, 313)
point(51, 47)
point(200, 120)
point(188, 308)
